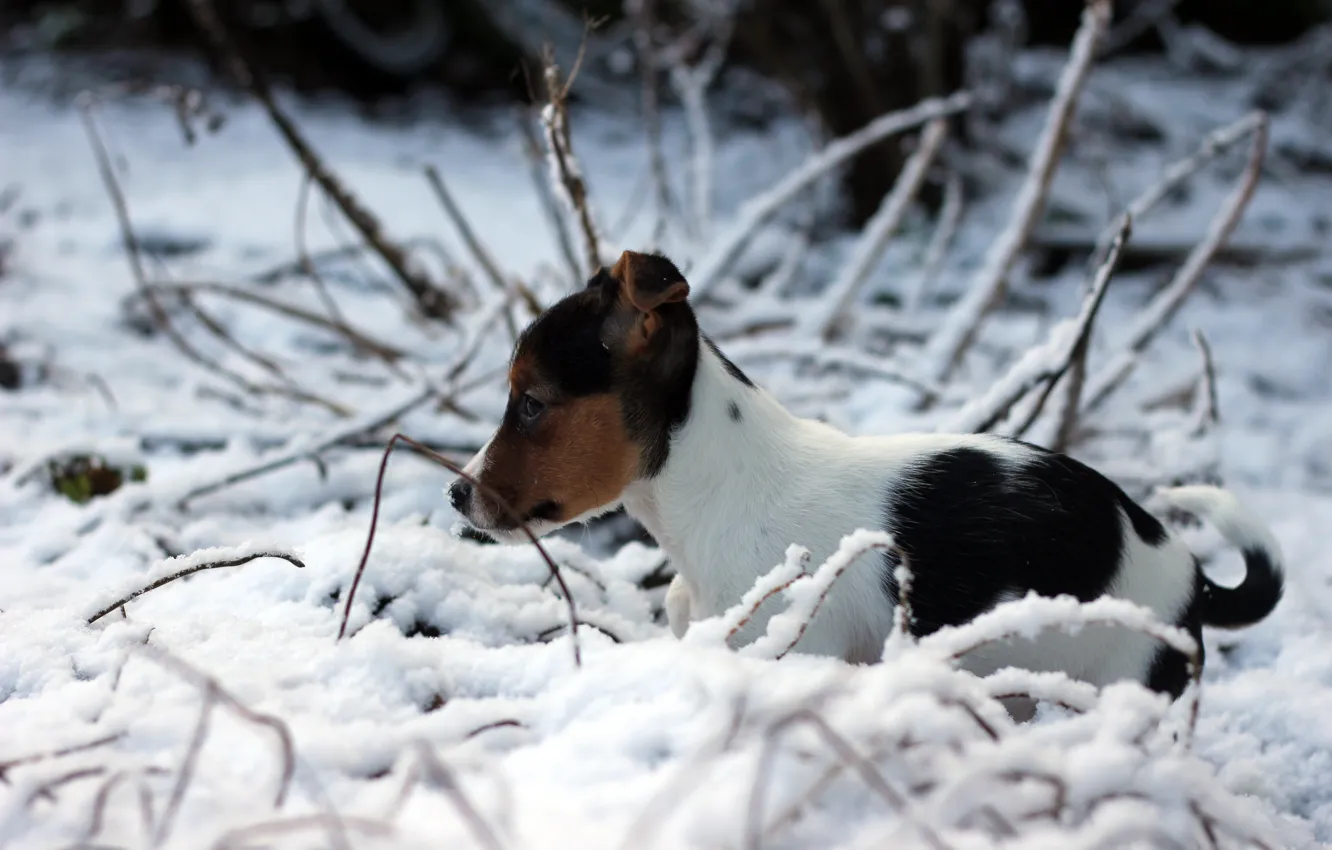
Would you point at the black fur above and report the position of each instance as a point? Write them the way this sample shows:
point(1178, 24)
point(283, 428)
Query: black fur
point(573, 347)
point(733, 369)
point(1251, 601)
point(733, 411)
point(1170, 669)
point(972, 530)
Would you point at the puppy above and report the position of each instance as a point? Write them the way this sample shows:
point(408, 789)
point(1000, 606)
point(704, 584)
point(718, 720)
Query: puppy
point(617, 399)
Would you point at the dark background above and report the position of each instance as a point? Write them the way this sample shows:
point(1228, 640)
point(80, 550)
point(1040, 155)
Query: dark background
point(835, 58)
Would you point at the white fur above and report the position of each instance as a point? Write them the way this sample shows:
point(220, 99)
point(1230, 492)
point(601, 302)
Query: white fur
point(732, 496)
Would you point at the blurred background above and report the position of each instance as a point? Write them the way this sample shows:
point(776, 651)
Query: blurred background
point(843, 62)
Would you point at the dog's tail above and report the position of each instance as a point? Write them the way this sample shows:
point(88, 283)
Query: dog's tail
point(1260, 591)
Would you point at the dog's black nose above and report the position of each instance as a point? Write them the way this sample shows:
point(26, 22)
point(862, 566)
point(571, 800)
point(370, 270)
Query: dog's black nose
point(459, 494)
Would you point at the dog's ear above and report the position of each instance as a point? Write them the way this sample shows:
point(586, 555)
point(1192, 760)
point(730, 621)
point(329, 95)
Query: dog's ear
point(648, 281)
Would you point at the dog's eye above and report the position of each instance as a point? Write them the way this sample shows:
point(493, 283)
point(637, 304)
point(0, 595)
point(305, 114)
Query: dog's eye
point(530, 408)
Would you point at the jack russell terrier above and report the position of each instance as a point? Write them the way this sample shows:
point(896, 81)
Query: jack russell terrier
point(617, 399)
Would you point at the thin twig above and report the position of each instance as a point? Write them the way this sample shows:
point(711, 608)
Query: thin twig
point(1154, 317)
point(1213, 145)
point(1044, 365)
point(551, 207)
point(303, 254)
point(197, 568)
point(437, 774)
point(479, 252)
point(1208, 408)
point(847, 754)
point(950, 216)
point(565, 170)
point(500, 502)
point(878, 231)
point(757, 210)
point(987, 287)
point(350, 432)
point(212, 687)
point(382, 350)
point(433, 302)
point(10, 764)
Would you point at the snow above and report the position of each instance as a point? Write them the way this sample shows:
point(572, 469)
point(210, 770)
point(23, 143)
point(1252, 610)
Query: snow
point(453, 713)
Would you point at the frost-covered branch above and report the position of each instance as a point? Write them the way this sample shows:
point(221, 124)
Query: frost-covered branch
point(757, 210)
point(1161, 308)
point(432, 301)
point(881, 228)
point(950, 216)
point(1216, 143)
point(1043, 365)
point(988, 285)
point(806, 594)
point(721, 629)
point(566, 175)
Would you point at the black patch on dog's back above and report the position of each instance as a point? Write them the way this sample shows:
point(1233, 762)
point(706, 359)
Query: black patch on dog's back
point(974, 524)
point(733, 411)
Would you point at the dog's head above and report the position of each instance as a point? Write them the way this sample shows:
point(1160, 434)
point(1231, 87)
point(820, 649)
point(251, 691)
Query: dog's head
point(596, 385)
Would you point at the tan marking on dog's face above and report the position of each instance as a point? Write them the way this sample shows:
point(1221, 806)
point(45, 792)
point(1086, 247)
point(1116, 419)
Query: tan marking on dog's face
point(574, 458)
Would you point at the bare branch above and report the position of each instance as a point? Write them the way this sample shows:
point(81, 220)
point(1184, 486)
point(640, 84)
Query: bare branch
point(1208, 409)
point(950, 216)
point(357, 339)
point(1044, 365)
point(10, 764)
point(438, 775)
point(877, 232)
point(565, 170)
point(1154, 317)
point(1216, 143)
point(196, 568)
point(478, 250)
point(757, 210)
point(482, 488)
point(988, 285)
point(433, 302)
point(353, 431)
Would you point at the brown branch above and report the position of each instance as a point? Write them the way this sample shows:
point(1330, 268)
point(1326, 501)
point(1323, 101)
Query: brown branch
point(6, 766)
point(335, 826)
point(1208, 407)
point(438, 775)
point(482, 488)
point(215, 693)
point(845, 753)
point(433, 302)
point(212, 565)
point(359, 340)
point(339, 437)
point(567, 172)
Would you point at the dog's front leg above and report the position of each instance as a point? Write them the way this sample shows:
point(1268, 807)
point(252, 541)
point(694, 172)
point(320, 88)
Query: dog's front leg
point(678, 604)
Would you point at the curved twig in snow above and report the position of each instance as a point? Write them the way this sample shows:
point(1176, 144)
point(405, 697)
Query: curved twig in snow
point(191, 570)
point(499, 501)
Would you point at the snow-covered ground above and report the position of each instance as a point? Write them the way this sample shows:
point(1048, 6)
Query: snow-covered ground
point(454, 714)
